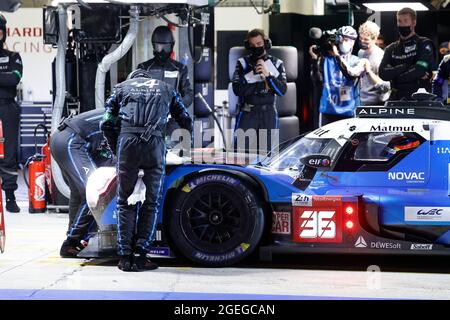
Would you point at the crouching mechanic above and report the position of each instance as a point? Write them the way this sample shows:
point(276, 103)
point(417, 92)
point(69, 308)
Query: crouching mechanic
point(79, 148)
point(140, 106)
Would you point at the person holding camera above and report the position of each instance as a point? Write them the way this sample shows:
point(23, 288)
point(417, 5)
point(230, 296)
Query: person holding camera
point(337, 71)
point(258, 78)
point(374, 90)
point(409, 62)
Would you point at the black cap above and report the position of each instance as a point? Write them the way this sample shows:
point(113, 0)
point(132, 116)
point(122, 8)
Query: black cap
point(162, 34)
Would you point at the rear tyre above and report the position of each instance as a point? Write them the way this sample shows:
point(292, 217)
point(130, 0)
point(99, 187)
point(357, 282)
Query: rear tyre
point(216, 220)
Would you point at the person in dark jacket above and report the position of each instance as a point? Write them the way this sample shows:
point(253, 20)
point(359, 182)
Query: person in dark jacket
point(140, 107)
point(258, 78)
point(78, 147)
point(164, 68)
point(10, 75)
point(409, 62)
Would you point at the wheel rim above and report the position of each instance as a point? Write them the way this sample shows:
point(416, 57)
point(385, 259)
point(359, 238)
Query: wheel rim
point(215, 220)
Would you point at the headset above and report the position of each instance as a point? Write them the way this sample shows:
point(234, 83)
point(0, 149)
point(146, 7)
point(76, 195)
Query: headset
point(267, 44)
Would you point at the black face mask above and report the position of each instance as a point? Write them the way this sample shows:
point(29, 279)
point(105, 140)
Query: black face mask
point(404, 31)
point(161, 56)
point(257, 53)
point(363, 46)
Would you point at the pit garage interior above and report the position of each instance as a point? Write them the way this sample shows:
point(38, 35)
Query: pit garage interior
point(31, 267)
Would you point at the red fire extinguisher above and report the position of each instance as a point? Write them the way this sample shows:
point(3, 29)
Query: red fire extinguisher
point(36, 166)
point(45, 150)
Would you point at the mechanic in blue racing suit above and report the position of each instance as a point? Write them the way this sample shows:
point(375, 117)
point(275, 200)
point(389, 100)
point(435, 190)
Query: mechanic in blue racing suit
point(78, 147)
point(340, 73)
point(166, 69)
point(440, 82)
point(139, 107)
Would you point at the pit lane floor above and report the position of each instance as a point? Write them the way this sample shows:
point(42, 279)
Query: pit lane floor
point(31, 268)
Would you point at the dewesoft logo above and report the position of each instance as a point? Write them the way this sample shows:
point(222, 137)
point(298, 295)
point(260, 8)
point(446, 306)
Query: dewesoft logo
point(438, 214)
point(360, 243)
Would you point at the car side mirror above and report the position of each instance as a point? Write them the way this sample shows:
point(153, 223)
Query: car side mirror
point(317, 161)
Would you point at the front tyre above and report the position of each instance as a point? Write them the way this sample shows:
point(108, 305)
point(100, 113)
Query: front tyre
point(216, 220)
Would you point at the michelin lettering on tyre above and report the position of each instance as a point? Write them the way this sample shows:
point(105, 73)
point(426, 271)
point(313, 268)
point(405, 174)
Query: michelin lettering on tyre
point(242, 244)
point(224, 256)
point(209, 178)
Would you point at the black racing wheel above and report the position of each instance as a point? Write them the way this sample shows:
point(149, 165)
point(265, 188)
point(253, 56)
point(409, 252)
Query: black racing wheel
point(216, 220)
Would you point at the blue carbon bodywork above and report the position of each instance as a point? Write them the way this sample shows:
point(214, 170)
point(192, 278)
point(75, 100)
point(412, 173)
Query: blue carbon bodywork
point(421, 179)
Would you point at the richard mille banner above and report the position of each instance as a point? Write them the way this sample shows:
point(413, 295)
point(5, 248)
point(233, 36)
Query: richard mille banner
point(24, 35)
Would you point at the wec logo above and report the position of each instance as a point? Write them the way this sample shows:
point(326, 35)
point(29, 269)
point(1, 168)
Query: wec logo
point(432, 212)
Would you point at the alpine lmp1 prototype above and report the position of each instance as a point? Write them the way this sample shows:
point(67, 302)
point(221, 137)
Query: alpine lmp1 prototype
point(377, 183)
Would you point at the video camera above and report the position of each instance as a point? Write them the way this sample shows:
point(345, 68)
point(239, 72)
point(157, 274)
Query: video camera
point(326, 40)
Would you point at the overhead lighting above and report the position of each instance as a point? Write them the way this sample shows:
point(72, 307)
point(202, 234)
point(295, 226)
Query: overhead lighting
point(395, 6)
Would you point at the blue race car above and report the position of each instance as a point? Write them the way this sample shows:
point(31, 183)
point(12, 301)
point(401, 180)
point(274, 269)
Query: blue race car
point(377, 183)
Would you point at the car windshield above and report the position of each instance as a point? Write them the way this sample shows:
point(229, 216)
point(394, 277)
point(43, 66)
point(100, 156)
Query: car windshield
point(289, 158)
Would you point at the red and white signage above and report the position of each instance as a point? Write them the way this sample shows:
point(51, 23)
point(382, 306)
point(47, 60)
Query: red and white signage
point(24, 35)
point(281, 223)
point(320, 222)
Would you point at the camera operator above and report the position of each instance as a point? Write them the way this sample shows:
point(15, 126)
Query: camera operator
point(374, 90)
point(337, 70)
point(408, 63)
